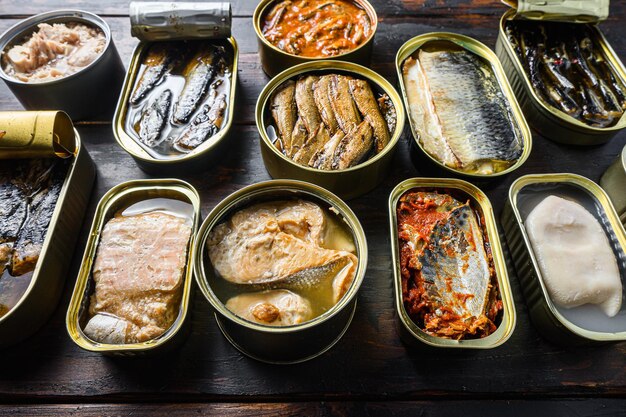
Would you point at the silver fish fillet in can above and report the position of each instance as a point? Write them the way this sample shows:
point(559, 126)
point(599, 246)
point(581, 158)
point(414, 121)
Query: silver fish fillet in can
point(157, 21)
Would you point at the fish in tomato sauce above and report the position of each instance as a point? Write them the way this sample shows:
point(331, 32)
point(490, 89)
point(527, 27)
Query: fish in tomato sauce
point(449, 285)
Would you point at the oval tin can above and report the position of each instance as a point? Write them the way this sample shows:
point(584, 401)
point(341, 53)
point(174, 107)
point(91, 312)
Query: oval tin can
point(46, 284)
point(482, 51)
point(199, 157)
point(275, 60)
point(89, 94)
point(548, 121)
point(409, 331)
point(118, 198)
point(347, 183)
point(289, 344)
point(523, 195)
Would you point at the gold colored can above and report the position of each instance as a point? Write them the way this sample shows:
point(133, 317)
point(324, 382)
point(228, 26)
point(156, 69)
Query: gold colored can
point(410, 332)
point(119, 198)
point(275, 60)
point(347, 183)
point(565, 10)
point(547, 120)
point(36, 134)
point(524, 195)
point(614, 183)
point(276, 344)
point(193, 160)
point(48, 279)
point(482, 51)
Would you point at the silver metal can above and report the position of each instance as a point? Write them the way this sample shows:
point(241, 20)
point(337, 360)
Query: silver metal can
point(158, 21)
point(89, 94)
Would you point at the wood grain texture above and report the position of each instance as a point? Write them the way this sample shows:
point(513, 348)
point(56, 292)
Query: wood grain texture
point(577, 408)
point(370, 363)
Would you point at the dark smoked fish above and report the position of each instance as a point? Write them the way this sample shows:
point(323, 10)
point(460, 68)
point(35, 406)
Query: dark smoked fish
point(198, 73)
point(321, 94)
point(343, 105)
point(153, 119)
point(368, 106)
point(156, 64)
point(203, 126)
point(568, 70)
point(354, 146)
point(306, 103)
point(284, 112)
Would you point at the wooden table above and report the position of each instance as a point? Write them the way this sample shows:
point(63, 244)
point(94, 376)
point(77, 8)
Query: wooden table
point(369, 371)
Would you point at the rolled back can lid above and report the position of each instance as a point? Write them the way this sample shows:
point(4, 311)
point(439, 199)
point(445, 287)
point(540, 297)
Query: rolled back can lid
point(36, 134)
point(575, 11)
point(160, 21)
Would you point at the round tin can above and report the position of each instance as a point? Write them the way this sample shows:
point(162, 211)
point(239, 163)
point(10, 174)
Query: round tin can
point(275, 60)
point(288, 344)
point(347, 183)
point(90, 93)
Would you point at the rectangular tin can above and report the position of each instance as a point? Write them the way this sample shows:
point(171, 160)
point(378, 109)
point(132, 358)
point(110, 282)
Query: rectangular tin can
point(117, 198)
point(614, 182)
point(195, 160)
point(275, 344)
point(548, 121)
point(543, 313)
point(347, 183)
point(48, 279)
point(481, 50)
point(409, 331)
point(275, 60)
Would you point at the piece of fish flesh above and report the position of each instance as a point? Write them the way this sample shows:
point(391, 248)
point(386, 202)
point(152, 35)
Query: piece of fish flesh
point(314, 143)
point(269, 243)
point(203, 126)
point(447, 277)
point(156, 64)
point(321, 94)
point(307, 109)
point(368, 106)
point(138, 272)
point(323, 158)
point(40, 209)
point(354, 146)
point(272, 307)
point(198, 73)
point(284, 112)
point(343, 105)
point(389, 112)
point(298, 137)
point(153, 119)
point(460, 113)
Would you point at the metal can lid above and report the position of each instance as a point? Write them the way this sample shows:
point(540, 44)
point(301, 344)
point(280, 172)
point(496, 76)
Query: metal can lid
point(36, 134)
point(159, 21)
point(575, 11)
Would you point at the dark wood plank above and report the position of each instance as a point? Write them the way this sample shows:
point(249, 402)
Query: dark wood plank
point(555, 408)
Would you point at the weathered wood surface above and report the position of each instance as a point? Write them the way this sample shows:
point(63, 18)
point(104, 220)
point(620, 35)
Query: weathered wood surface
point(578, 408)
point(370, 363)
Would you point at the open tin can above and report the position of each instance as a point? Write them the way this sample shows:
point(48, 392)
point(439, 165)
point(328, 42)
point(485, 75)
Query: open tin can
point(454, 41)
point(551, 122)
point(274, 60)
point(347, 183)
point(177, 104)
point(280, 344)
point(410, 332)
point(614, 183)
point(25, 136)
point(557, 324)
point(88, 94)
point(114, 201)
